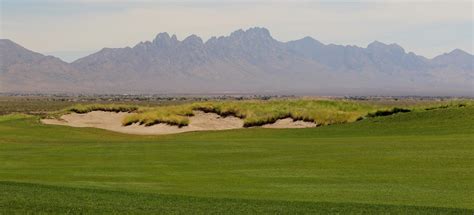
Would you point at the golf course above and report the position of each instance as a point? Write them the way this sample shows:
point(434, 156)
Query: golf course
point(414, 162)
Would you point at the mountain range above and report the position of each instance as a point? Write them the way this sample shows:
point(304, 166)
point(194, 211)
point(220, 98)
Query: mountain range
point(249, 61)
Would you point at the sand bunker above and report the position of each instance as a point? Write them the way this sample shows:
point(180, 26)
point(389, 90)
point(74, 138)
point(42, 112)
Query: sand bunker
point(113, 121)
point(199, 122)
point(289, 123)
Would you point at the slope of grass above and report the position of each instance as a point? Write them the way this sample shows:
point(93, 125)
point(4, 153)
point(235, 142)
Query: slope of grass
point(34, 198)
point(421, 158)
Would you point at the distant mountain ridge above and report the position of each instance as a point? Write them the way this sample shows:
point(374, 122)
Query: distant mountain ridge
point(249, 61)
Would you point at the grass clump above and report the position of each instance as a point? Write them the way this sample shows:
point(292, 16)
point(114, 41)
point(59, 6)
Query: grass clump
point(171, 115)
point(86, 108)
point(221, 108)
point(102, 107)
point(257, 113)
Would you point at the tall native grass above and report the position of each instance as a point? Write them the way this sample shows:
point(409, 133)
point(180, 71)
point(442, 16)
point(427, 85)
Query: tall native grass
point(86, 108)
point(102, 107)
point(321, 112)
point(258, 112)
point(172, 115)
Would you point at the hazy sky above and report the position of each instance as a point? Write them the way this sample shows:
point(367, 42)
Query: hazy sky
point(74, 28)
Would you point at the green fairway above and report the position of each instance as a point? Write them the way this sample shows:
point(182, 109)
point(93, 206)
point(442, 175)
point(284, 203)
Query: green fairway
point(407, 163)
point(28, 198)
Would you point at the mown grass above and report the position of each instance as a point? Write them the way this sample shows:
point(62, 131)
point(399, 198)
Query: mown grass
point(389, 164)
point(34, 198)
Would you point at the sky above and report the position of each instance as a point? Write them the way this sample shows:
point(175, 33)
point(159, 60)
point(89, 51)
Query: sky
point(71, 29)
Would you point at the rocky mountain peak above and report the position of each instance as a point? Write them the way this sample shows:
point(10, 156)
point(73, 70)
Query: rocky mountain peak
point(193, 40)
point(7, 42)
point(457, 57)
point(258, 31)
point(459, 52)
point(377, 46)
point(255, 33)
point(174, 38)
point(237, 33)
point(307, 41)
point(164, 40)
point(162, 36)
point(251, 58)
point(456, 53)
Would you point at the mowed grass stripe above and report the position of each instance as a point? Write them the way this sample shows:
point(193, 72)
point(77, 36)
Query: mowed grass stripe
point(34, 198)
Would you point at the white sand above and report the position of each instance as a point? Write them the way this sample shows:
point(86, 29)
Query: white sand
point(113, 121)
point(199, 122)
point(289, 123)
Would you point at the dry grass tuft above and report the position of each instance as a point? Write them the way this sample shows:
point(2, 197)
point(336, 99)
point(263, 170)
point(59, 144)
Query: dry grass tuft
point(257, 112)
point(102, 107)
